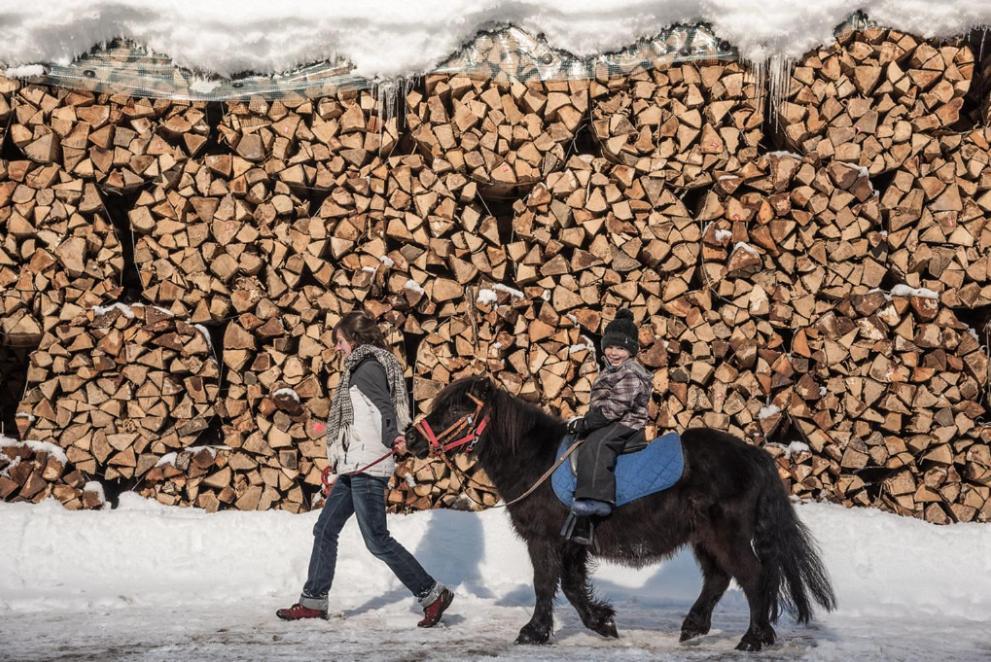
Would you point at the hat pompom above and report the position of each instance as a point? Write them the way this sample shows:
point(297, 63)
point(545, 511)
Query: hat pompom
point(624, 314)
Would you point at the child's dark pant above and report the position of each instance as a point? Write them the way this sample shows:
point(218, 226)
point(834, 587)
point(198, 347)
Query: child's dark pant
point(597, 461)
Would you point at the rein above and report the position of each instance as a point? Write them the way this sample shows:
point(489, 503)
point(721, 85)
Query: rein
point(439, 448)
point(325, 474)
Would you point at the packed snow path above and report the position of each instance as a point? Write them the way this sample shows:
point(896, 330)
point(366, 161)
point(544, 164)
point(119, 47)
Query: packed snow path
point(384, 628)
point(145, 582)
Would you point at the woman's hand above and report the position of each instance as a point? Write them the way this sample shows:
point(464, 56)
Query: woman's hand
point(399, 446)
point(327, 480)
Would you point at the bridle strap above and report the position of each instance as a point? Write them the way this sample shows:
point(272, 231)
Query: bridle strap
point(437, 441)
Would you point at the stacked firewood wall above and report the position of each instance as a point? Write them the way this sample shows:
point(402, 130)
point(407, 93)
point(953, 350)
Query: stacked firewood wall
point(828, 303)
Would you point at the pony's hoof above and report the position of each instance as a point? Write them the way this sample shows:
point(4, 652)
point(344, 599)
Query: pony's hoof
point(692, 629)
point(690, 633)
point(749, 645)
point(531, 634)
point(607, 628)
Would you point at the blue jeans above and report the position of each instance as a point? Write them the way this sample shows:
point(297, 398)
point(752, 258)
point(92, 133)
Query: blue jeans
point(365, 496)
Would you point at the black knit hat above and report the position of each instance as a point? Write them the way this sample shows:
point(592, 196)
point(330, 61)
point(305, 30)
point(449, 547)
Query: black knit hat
point(622, 332)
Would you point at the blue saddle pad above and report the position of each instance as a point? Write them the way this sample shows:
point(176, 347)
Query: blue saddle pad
point(653, 469)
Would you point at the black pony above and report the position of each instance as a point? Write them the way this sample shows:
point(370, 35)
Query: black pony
point(730, 506)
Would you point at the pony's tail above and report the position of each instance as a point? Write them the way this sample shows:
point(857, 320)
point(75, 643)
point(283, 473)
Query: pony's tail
point(791, 567)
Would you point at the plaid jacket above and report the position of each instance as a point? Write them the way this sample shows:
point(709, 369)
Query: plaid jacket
point(622, 393)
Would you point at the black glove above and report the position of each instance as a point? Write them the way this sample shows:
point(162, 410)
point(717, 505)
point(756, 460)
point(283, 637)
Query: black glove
point(594, 420)
point(576, 426)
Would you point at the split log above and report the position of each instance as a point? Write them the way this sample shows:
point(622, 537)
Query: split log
point(121, 142)
point(34, 471)
point(681, 123)
point(598, 236)
point(936, 209)
point(217, 478)
point(59, 252)
point(119, 387)
point(875, 97)
point(309, 142)
point(501, 131)
point(218, 238)
point(787, 241)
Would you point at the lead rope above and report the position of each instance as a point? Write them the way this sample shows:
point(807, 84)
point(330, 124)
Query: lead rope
point(540, 481)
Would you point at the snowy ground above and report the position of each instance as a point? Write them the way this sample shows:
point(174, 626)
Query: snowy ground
point(145, 582)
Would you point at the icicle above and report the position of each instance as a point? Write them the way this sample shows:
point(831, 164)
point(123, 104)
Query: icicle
point(390, 98)
point(779, 79)
point(771, 76)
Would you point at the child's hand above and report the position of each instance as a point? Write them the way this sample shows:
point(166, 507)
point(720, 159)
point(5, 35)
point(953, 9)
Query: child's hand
point(399, 446)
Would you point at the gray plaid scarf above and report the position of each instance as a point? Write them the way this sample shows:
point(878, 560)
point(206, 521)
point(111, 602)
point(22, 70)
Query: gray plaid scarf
point(341, 411)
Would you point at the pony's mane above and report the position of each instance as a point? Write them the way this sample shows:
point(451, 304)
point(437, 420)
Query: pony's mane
point(510, 415)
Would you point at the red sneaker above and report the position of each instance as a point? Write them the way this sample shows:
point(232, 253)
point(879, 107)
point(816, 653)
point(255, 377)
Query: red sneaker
point(433, 611)
point(298, 611)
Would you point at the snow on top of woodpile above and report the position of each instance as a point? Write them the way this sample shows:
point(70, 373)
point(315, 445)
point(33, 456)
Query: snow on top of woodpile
point(37, 447)
point(391, 38)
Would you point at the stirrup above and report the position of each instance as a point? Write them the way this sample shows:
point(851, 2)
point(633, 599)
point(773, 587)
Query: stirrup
point(579, 530)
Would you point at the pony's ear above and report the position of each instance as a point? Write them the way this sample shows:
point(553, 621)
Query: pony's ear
point(486, 387)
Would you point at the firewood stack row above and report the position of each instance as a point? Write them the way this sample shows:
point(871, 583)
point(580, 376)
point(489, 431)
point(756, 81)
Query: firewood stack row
point(277, 398)
point(875, 97)
point(684, 123)
point(502, 132)
point(408, 240)
point(215, 478)
point(716, 367)
point(936, 210)
point(119, 141)
point(425, 484)
point(59, 251)
point(597, 236)
point(786, 296)
point(786, 240)
point(117, 388)
point(898, 386)
point(204, 237)
point(306, 142)
point(35, 471)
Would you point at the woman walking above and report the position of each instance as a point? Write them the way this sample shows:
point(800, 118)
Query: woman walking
point(368, 417)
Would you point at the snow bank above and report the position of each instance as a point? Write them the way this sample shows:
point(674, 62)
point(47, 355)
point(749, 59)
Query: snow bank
point(393, 37)
point(146, 554)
